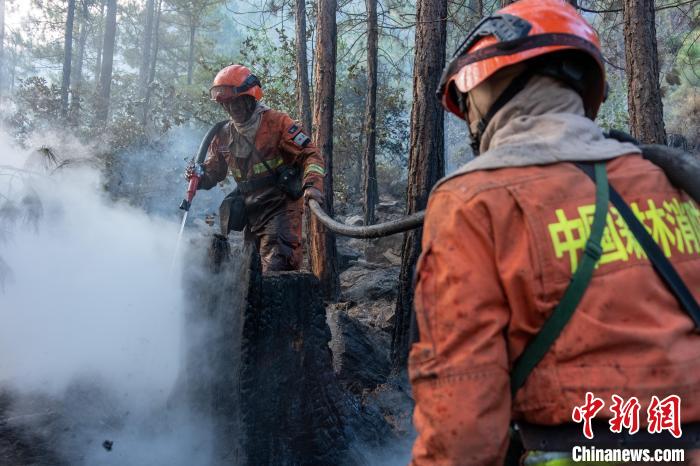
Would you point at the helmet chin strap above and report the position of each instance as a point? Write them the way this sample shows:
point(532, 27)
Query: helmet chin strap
point(515, 86)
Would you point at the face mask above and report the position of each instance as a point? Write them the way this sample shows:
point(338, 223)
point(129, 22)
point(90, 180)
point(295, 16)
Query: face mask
point(241, 108)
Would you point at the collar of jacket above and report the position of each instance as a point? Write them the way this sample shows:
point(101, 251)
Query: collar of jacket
point(542, 125)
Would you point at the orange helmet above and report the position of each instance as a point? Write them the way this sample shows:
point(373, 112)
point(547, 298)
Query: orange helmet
point(519, 32)
point(234, 81)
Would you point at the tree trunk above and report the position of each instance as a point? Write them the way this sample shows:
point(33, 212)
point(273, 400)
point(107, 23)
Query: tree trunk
point(156, 43)
point(100, 35)
point(369, 164)
point(145, 68)
point(426, 156)
point(152, 64)
point(322, 251)
point(302, 64)
point(107, 61)
point(2, 48)
point(67, 56)
point(13, 69)
point(78, 80)
point(642, 67)
point(146, 48)
point(190, 57)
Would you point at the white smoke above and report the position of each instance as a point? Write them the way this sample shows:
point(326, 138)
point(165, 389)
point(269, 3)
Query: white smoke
point(151, 176)
point(91, 318)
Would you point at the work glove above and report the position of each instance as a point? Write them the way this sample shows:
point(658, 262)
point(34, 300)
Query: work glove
point(313, 193)
point(193, 169)
point(189, 171)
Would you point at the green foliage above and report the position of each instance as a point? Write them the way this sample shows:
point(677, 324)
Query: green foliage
point(684, 119)
point(689, 61)
point(681, 84)
point(273, 63)
point(613, 114)
point(392, 130)
point(218, 42)
point(38, 105)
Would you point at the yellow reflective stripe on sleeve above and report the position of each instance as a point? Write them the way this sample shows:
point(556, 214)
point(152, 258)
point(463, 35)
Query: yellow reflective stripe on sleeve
point(313, 168)
point(259, 168)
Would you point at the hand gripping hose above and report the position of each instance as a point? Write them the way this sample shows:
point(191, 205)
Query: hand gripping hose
point(193, 184)
point(379, 230)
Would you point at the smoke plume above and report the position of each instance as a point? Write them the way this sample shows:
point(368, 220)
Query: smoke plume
point(91, 320)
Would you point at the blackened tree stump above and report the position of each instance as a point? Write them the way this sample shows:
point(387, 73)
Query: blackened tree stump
point(289, 395)
point(259, 364)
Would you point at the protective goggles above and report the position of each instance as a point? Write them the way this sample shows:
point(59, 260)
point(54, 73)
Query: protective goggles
point(225, 93)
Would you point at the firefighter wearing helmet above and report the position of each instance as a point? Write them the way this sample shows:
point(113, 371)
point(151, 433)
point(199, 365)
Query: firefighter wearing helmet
point(555, 263)
point(273, 163)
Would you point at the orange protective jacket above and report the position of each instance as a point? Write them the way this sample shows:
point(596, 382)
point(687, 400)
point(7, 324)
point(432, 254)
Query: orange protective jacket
point(277, 142)
point(499, 248)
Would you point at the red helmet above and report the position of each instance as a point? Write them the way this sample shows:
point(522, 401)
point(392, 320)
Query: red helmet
point(519, 32)
point(234, 81)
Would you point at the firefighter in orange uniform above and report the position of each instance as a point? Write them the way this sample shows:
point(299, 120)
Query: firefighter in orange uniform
point(258, 146)
point(513, 238)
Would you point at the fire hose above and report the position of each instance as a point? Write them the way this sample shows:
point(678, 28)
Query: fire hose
point(379, 230)
point(681, 168)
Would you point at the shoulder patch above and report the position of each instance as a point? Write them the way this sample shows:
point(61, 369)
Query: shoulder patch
point(301, 140)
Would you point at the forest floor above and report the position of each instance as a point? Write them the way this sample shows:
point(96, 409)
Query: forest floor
point(361, 322)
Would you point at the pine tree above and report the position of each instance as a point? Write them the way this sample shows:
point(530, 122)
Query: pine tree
point(426, 158)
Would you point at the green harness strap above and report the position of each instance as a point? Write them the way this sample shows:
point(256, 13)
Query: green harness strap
point(542, 342)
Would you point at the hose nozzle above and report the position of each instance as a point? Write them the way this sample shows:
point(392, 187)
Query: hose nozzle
point(197, 173)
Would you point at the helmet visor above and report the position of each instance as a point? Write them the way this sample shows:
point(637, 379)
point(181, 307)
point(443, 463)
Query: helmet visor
point(222, 93)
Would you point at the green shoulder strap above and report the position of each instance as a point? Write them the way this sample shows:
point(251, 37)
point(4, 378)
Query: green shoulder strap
point(540, 344)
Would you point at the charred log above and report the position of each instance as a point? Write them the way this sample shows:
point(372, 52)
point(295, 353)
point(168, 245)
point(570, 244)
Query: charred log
point(357, 359)
point(261, 367)
point(289, 396)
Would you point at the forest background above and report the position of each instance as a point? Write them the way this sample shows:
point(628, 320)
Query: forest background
point(54, 58)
